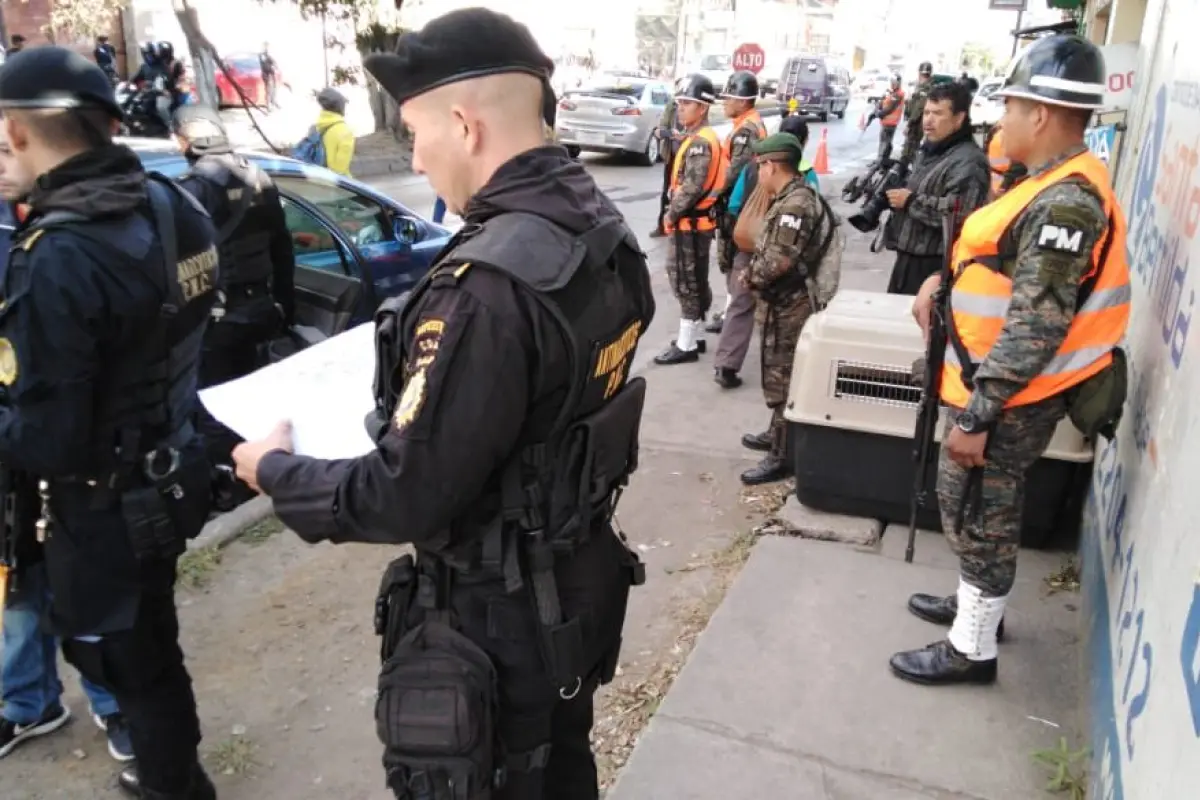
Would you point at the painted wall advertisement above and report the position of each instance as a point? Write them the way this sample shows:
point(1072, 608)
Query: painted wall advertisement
point(1141, 544)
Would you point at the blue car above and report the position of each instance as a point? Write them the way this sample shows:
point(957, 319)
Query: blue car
point(354, 246)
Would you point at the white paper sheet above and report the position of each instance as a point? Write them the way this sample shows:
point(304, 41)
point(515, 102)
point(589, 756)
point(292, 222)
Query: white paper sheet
point(325, 390)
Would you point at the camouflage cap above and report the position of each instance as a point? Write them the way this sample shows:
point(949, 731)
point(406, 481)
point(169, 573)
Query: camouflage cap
point(780, 144)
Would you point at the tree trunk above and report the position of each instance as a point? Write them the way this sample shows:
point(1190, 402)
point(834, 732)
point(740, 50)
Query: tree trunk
point(202, 52)
point(378, 39)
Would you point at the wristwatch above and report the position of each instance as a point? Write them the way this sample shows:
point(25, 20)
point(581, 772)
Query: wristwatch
point(968, 423)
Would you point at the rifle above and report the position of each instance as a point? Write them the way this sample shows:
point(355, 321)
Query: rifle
point(929, 408)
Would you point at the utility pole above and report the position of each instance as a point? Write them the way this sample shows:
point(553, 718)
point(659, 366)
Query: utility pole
point(1020, 16)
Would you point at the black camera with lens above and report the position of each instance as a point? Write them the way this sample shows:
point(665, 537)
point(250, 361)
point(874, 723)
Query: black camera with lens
point(867, 219)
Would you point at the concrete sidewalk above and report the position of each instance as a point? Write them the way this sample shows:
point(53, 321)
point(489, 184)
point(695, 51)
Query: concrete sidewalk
point(788, 693)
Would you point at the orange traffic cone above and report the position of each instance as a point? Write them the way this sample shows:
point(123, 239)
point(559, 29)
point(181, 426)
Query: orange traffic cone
point(821, 159)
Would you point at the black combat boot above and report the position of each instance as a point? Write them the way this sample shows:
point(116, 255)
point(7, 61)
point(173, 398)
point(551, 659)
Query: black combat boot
point(727, 378)
point(940, 610)
point(940, 664)
point(769, 470)
point(673, 355)
point(201, 788)
point(757, 441)
point(717, 324)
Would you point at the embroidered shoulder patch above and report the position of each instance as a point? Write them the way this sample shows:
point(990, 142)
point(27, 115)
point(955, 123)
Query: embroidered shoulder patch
point(8, 363)
point(790, 221)
point(1060, 238)
point(426, 342)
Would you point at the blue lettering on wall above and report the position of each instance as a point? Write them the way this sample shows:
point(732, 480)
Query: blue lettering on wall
point(1190, 656)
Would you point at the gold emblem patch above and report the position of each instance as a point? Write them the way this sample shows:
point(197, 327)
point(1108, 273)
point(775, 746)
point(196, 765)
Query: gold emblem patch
point(8, 363)
point(411, 401)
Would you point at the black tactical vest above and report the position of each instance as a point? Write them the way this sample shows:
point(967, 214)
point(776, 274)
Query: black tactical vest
point(243, 231)
point(150, 394)
point(562, 482)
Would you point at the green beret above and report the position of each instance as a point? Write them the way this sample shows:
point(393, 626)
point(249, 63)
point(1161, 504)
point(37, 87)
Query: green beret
point(780, 144)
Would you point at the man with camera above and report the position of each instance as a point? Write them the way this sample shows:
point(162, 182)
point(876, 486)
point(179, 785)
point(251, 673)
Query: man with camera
point(950, 174)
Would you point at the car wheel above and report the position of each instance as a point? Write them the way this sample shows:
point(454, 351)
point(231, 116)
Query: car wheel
point(573, 151)
point(842, 113)
point(652, 154)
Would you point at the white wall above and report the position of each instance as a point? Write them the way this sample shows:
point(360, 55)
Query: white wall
point(1142, 526)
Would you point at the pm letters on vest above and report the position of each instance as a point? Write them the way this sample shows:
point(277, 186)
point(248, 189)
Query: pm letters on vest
point(1060, 238)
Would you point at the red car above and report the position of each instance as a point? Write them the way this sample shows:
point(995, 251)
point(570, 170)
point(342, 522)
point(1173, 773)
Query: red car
point(247, 71)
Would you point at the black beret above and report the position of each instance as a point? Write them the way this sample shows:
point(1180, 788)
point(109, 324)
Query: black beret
point(55, 77)
point(458, 46)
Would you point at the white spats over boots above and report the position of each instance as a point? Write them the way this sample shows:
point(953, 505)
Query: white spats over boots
point(687, 335)
point(974, 631)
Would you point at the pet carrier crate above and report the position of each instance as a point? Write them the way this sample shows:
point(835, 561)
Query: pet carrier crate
point(851, 414)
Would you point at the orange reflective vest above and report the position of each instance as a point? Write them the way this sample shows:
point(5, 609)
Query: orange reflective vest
point(893, 117)
point(751, 117)
point(980, 292)
point(701, 214)
point(999, 163)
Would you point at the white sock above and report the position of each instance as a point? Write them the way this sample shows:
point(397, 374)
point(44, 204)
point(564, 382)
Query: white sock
point(687, 335)
point(974, 631)
point(728, 303)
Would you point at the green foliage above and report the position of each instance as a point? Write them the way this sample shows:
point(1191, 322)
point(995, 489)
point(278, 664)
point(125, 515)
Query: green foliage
point(86, 19)
point(1068, 769)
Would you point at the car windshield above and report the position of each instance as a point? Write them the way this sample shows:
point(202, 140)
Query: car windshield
point(716, 62)
point(988, 89)
point(618, 88)
point(811, 71)
point(243, 63)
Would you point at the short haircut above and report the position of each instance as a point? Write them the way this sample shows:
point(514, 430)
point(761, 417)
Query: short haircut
point(958, 95)
point(797, 127)
point(72, 129)
point(1080, 118)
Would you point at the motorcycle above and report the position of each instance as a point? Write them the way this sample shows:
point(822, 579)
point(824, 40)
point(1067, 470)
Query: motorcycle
point(145, 110)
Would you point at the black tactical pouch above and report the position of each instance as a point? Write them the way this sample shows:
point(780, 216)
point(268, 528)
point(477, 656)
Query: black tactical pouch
point(169, 502)
point(1095, 406)
point(597, 455)
point(436, 714)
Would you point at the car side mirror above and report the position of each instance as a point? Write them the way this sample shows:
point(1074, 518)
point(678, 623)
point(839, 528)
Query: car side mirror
point(406, 230)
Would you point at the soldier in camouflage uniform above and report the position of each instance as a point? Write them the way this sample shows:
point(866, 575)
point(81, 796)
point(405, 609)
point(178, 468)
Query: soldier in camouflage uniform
point(1011, 371)
point(914, 110)
point(690, 218)
point(787, 250)
point(736, 323)
point(669, 139)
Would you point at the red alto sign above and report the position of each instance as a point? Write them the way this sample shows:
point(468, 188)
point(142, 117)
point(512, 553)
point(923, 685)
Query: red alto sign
point(749, 57)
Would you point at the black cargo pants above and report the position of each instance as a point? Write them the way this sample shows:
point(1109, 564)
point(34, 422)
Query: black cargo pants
point(143, 669)
point(547, 737)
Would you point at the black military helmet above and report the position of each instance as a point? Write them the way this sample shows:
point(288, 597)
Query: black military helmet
point(925, 69)
point(331, 99)
point(55, 77)
point(201, 126)
point(1059, 71)
point(742, 85)
point(698, 88)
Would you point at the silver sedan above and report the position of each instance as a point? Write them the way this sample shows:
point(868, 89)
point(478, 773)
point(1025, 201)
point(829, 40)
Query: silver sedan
point(613, 115)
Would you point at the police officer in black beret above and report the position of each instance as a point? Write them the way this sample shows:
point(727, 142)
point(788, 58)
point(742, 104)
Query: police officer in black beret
point(257, 298)
point(109, 286)
point(506, 424)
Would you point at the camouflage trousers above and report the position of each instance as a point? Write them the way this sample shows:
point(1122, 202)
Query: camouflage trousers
point(781, 321)
point(687, 268)
point(912, 140)
point(981, 508)
point(886, 136)
point(726, 251)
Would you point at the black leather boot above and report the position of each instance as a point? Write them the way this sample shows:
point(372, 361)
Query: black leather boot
point(727, 378)
point(673, 355)
point(757, 441)
point(940, 664)
point(201, 787)
point(769, 470)
point(717, 324)
point(940, 610)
